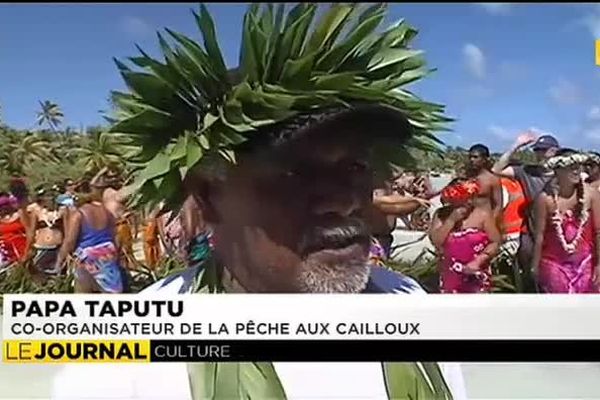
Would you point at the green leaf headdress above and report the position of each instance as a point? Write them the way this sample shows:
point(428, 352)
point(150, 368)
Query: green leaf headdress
point(189, 109)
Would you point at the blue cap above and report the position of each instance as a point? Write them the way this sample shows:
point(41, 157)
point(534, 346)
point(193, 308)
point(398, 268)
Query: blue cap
point(545, 142)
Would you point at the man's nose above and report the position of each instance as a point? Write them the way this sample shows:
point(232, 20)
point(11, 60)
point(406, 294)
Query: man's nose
point(342, 204)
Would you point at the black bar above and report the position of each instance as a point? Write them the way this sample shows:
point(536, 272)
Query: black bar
point(376, 350)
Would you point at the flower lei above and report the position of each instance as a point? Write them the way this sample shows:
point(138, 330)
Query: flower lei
point(593, 158)
point(557, 221)
point(566, 161)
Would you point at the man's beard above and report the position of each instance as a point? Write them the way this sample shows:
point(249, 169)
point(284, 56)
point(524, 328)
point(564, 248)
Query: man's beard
point(473, 170)
point(336, 256)
point(349, 277)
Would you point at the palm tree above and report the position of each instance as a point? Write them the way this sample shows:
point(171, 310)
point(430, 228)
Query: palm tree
point(50, 114)
point(96, 151)
point(18, 151)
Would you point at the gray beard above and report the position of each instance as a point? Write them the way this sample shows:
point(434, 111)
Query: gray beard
point(318, 277)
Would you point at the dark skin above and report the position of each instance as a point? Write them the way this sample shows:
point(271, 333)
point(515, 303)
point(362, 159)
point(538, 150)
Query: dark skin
point(192, 220)
point(545, 205)
point(490, 194)
point(463, 217)
point(44, 202)
point(98, 218)
point(593, 171)
point(267, 208)
point(388, 206)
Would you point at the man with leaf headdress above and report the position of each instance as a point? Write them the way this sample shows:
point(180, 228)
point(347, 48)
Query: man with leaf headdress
point(280, 154)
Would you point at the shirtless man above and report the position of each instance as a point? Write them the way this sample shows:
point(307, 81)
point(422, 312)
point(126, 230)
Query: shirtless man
point(478, 167)
point(592, 168)
point(387, 207)
point(178, 233)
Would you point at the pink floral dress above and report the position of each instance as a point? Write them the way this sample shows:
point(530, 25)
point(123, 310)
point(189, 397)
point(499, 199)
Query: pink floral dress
point(460, 248)
point(562, 271)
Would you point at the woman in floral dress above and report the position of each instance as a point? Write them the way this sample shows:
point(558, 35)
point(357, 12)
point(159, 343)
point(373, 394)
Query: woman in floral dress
point(566, 232)
point(467, 239)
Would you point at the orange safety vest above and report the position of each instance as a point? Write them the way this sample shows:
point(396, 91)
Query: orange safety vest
point(514, 207)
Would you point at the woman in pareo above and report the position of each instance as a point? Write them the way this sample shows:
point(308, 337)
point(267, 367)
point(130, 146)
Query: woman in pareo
point(567, 223)
point(13, 230)
point(46, 230)
point(91, 235)
point(151, 239)
point(467, 239)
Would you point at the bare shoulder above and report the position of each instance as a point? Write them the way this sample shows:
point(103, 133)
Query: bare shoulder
point(489, 178)
point(479, 218)
point(593, 193)
point(544, 199)
point(109, 193)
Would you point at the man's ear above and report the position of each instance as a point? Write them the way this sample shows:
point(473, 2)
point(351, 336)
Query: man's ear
point(204, 191)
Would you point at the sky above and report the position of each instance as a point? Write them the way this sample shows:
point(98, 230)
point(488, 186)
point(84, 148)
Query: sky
point(502, 68)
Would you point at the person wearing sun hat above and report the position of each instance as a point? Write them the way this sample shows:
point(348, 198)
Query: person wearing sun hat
point(279, 154)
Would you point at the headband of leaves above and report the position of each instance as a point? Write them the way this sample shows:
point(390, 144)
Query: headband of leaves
point(189, 109)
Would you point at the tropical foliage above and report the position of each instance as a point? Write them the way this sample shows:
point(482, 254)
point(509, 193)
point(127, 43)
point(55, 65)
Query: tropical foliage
point(189, 108)
point(49, 114)
point(46, 157)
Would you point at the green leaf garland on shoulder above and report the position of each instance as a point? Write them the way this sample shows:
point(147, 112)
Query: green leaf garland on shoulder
point(259, 380)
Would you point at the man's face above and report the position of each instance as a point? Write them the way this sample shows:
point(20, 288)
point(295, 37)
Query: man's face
point(295, 219)
point(69, 186)
point(593, 170)
point(477, 161)
point(542, 154)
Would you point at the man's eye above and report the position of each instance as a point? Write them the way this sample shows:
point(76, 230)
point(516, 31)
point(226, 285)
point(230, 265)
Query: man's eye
point(358, 166)
point(290, 173)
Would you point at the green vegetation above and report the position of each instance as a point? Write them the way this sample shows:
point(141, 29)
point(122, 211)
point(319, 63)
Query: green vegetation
point(48, 157)
point(189, 108)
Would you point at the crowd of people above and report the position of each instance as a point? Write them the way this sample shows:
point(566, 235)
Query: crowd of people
point(543, 217)
point(87, 222)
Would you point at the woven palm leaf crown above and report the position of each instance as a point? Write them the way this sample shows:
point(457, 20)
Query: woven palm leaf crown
point(190, 110)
